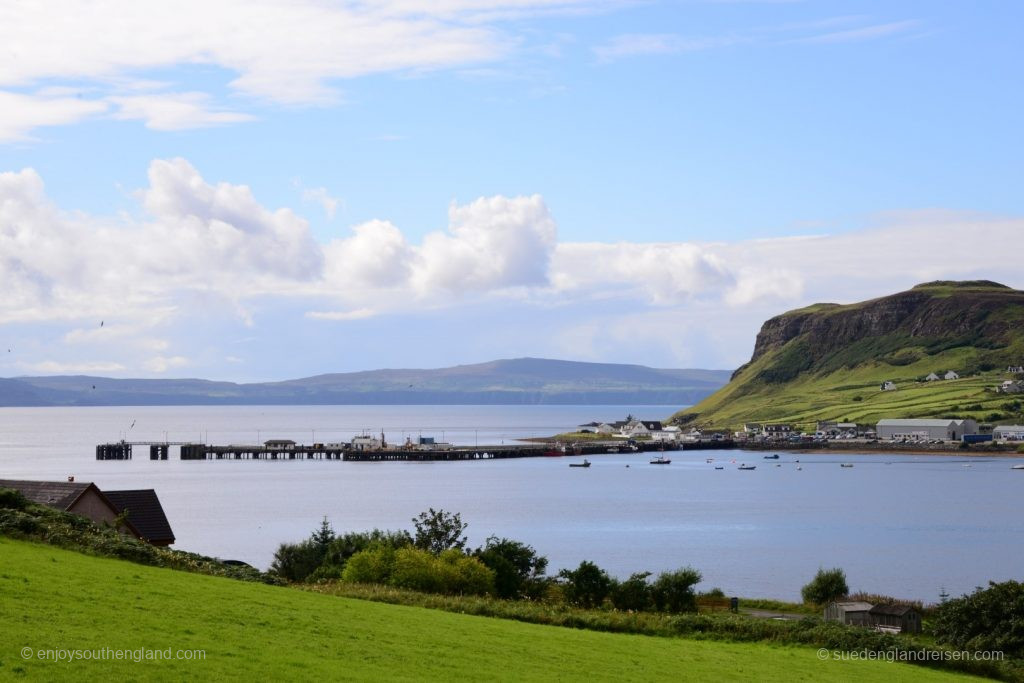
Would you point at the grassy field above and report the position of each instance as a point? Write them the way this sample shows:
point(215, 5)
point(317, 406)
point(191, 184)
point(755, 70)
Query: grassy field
point(56, 599)
point(853, 395)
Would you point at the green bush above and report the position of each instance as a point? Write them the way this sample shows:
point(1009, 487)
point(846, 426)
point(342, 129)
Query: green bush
point(518, 569)
point(826, 586)
point(988, 619)
point(673, 591)
point(633, 594)
point(370, 566)
point(437, 531)
point(12, 499)
point(587, 585)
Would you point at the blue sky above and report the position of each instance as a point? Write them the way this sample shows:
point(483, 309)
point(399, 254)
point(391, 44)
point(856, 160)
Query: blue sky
point(261, 190)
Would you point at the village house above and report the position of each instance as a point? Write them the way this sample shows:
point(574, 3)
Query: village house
point(931, 377)
point(888, 386)
point(926, 430)
point(778, 431)
point(1011, 387)
point(951, 375)
point(637, 428)
point(143, 516)
point(1015, 369)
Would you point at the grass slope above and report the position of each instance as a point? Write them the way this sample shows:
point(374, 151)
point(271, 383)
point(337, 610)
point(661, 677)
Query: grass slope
point(813, 376)
point(52, 598)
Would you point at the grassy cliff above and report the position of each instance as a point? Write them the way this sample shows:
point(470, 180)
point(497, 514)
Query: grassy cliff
point(827, 361)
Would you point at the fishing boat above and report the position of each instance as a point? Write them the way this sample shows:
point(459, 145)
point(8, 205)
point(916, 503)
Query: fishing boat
point(772, 457)
point(719, 467)
point(846, 464)
point(747, 467)
point(661, 460)
point(585, 463)
point(1017, 467)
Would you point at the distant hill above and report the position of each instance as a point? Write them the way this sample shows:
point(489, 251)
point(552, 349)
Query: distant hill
point(516, 381)
point(827, 361)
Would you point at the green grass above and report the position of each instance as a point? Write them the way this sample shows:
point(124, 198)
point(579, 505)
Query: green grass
point(52, 598)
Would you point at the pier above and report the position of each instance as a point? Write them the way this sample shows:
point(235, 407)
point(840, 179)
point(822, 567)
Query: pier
point(288, 450)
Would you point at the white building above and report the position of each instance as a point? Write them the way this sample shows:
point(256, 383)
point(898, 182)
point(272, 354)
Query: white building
point(1008, 433)
point(931, 377)
point(888, 386)
point(947, 430)
point(365, 442)
point(951, 375)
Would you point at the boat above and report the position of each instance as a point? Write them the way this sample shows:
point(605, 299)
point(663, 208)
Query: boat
point(800, 467)
point(846, 464)
point(719, 467)
point(772, 457)
point(585, 463)
point(661, 460)
point(613, 449)
point(747, 467)
point(709, 460)
point(1017, 467)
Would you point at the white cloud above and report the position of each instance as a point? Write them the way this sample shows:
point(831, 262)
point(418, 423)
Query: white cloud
point(174, 111)
point(863, 33)
point(161, 364)
point(204, 253)
point(79, 368)
point(282, 51)
point(320, 195)
point(633, 44)
point(20, 113)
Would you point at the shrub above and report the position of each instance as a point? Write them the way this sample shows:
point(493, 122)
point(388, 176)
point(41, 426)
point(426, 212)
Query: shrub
point(988, 619)
point(370, 566)
point(517, 567)
point(673, 591)
point(12, 499)
point(463, 575)
point(633, 594)
point(826, 586)
point(416, 569)
point(587, 585)
point(437, 531)
point(296, 561)
point(345, 546)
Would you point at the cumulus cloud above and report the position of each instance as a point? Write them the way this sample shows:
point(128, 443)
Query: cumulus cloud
point(21, 113)
point(205, 251)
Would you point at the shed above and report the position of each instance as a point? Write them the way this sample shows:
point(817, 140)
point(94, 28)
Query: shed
point(854, 612)
point(1008, 433)
point(951, 375)
point(931, 377)
point(279, 443)
point(895, 618)
point(947, 430)
point(142, 508)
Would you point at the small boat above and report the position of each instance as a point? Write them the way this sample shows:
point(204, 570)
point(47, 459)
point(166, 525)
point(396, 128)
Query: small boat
point(585, 463)
point(800, 467)
point(1017, 467)
point(846, 464)
point(778, 465)
point(747, 467)
point(772, 457)
point(709, 460)
point(661, 460)
point(719, 467)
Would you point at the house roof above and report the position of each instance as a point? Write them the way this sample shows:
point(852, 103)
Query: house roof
point(58, 494)
point(652, 425)
point(854, 606)
point(144, 512)
point(892, 610)
point(918, 423)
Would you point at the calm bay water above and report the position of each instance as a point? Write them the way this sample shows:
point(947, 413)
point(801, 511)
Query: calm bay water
point(898, 524)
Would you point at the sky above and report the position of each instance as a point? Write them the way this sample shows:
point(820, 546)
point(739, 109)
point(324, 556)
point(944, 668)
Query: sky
point(266, 189)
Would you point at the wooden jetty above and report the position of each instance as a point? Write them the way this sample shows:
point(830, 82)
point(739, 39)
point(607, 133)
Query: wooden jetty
point(289, 450)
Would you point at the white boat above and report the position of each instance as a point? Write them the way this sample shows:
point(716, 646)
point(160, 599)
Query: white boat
point(1017, 467)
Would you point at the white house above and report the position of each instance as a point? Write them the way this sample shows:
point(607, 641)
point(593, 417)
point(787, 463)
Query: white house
point(888, 386)
point(642, 428)
point(365, 442)
point(1008, 433)
point(1011, 387)
point(951, 375)
point(931, 377)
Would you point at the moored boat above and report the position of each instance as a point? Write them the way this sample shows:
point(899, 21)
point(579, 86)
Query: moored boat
point(747, 467)
point(585, 463)
point(661, 460)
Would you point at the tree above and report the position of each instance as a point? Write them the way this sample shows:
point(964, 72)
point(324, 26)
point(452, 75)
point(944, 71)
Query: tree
point(346, 545)
point(323, 536)
point(437, 531)
point(826, 586)
point(515, 565)
point(673, 591)
point(633, 594)
point(587, 585)
point(296, 561)
point(988, 619)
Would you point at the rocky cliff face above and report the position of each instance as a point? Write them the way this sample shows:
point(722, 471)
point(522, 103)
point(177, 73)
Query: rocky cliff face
point(973, 311)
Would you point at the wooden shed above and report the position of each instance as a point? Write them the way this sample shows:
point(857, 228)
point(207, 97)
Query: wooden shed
point(896, 618)
point(853, 613)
